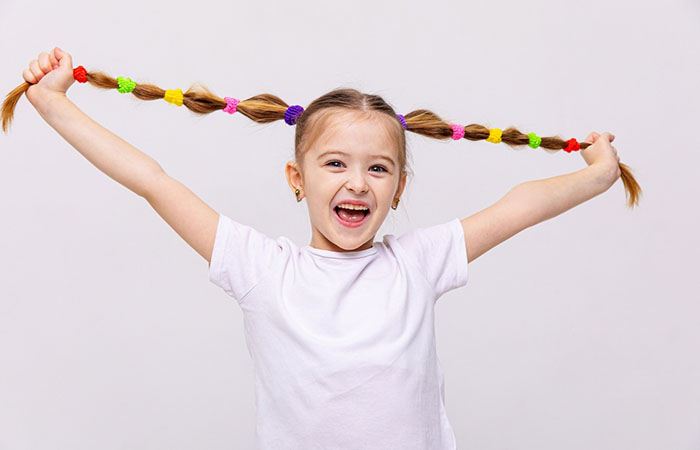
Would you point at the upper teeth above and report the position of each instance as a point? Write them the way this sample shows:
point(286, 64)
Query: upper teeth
point(349, 206)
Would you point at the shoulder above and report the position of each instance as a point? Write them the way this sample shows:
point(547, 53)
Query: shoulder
point(437, 252)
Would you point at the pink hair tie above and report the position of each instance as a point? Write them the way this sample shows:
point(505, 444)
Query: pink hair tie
point(457, 131)
point(231, 104)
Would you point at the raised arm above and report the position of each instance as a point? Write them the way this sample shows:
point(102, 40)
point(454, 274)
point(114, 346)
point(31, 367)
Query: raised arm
point(108, 152)
point(532, 202)
point(191, 218)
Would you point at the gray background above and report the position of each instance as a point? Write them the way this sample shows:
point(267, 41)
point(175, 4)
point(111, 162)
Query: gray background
point(578, 333)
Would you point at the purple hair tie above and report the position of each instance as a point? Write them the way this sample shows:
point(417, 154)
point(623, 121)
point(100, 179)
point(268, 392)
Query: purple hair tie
point(403, 121)
point(292, 114)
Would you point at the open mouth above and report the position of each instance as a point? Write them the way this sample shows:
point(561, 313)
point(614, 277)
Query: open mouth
point(351, 218)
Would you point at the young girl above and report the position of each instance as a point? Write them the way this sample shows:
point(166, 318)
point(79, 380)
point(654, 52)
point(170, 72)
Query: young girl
point(340, 331)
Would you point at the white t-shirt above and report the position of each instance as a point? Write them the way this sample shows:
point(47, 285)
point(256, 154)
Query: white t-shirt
point(343, 344)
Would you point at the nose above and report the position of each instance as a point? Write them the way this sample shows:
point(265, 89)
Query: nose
point(357, 181)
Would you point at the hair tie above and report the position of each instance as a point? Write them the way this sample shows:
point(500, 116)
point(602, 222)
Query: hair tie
point(494, 135)
point(173, 96)
point(457, 131)
point(231, 104)
point(402, 119)
point(573, 145)
point(80, 74)
point(292, 114)
point(125, 85)
point(534, 140)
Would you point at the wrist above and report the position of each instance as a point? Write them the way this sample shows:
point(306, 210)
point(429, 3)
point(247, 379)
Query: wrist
point(605, 174)
point(43, 99)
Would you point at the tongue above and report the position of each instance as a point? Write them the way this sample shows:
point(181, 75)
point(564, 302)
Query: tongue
point(351, 215)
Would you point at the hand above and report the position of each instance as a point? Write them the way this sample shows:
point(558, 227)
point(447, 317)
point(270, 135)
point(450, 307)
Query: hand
point(602, 153)
point(50, 72)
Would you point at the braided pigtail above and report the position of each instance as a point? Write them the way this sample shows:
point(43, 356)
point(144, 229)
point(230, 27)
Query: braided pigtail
point(261, 108)
point(427, 123)
point(266, 108)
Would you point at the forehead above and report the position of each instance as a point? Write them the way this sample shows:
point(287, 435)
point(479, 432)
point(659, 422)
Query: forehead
point(355, 133)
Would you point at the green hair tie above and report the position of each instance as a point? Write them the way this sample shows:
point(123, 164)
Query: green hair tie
point(534, 140)
point(125, 85)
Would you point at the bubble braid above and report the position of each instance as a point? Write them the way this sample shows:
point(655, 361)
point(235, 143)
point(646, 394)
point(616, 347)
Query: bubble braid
point(266, 108)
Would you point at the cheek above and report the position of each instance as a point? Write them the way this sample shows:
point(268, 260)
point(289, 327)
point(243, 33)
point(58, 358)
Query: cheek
point(388, 187)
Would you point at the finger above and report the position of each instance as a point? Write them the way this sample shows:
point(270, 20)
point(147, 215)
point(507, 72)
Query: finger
point(36, 70)
point(44, 62)
point(53, 59)
point(63, 56)
point(29, 77)
point(592, 137)
point(609, 136)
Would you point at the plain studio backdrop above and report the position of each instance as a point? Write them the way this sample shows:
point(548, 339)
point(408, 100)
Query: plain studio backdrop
point(578, 333)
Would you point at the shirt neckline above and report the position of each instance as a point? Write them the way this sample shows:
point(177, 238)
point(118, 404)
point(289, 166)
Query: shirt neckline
point(342, 255)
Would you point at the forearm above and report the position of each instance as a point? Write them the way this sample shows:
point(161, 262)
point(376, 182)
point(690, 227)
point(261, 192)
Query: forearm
point(540, 200)
point(108, 152)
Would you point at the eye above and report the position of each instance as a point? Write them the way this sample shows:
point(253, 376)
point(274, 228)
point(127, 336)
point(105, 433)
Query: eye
point(383, 169)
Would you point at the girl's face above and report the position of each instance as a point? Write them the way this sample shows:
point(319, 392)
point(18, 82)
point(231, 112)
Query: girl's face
point(354, 158)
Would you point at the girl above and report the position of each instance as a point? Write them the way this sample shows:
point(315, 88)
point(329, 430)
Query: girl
point(341, 331)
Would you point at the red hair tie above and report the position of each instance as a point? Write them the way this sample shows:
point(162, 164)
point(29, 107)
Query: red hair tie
point(573, 145)
point(80, 74)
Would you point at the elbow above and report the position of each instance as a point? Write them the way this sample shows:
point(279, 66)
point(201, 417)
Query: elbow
point(149, 178)
point(523, 201)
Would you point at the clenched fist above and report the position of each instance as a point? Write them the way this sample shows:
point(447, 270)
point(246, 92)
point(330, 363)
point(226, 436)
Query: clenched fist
point(602, 152)
point(49, 73)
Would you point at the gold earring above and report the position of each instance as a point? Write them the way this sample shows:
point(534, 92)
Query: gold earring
point(396, 205)
point(297, 192)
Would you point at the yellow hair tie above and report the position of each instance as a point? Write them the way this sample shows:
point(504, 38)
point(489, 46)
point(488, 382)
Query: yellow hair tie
point(494, 135)
point(173, 96)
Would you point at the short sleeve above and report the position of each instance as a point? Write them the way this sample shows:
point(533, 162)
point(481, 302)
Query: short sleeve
point(241, 257)
point(440, 253)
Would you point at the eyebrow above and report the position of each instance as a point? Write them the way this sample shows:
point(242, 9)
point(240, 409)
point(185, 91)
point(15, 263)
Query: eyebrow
point(338, 152)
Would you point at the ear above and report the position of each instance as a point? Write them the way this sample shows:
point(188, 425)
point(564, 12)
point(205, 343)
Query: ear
point(402, 184)
point(293, 174)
